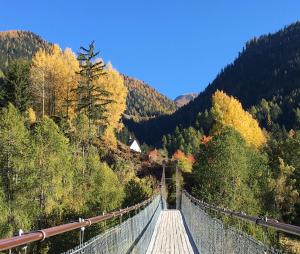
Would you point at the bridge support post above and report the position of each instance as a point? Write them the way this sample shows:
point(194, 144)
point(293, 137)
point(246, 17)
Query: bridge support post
point(163, 187)
point(178, 187)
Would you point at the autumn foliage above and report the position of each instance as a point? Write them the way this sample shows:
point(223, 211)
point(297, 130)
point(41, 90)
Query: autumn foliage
point(113, 83)
point(59, 90)
point(228, 111)
point(185, 162)
point(206, 139)
point(53, 80)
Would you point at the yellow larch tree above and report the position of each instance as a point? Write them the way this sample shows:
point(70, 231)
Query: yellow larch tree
point(30, 115)
point(113, 83)
point(68, 93)
point(53, 80)
point(228, 111)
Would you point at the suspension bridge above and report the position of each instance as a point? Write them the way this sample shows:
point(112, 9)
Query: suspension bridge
point(155, 229)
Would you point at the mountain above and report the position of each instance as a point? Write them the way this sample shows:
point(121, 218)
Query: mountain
point(184, 99)
point(143, 101)
point(16, 44)
point(267, 67)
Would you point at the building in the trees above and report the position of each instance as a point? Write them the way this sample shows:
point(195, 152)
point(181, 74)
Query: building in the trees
point(135, 146)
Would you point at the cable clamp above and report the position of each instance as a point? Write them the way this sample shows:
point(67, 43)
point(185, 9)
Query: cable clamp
point(21, 232)
point(80, 221)
point(43, 233)
point(89, 221)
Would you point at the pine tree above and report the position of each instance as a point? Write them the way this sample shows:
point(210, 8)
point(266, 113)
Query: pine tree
point(92, 99)
point(16, 85)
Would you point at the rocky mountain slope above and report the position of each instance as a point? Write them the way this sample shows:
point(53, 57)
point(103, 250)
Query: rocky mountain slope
point(184, 99)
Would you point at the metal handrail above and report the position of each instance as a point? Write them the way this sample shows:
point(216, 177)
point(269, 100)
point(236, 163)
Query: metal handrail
point(263, 221)
point(9, 243)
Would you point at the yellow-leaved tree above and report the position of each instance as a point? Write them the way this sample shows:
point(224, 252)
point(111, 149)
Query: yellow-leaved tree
point(228, 111)
point(53, 80)
point(113, 83)
point(30, 115)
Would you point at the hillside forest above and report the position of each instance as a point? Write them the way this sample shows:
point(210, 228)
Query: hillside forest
point(66, 119)
point(59, 117)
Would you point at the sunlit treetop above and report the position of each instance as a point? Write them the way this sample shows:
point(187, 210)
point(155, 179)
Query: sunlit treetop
point(228, 111)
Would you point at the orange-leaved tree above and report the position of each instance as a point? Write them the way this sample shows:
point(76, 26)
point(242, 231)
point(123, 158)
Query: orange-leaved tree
point(185, 162)
point(228, 111)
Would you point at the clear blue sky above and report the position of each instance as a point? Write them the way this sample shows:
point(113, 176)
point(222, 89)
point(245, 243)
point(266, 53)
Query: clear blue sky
point(176, 46)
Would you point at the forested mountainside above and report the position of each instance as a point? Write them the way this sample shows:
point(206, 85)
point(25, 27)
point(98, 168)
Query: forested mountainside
point(184, 99)
point(61, 134)
point(267, 68)
point(59, 116)
point(16, 44)
point(143, 101)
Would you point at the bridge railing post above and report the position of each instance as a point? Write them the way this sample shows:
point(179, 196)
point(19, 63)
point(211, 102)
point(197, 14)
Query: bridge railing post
point(178, 186)
point(163, 186)
point(81, 233)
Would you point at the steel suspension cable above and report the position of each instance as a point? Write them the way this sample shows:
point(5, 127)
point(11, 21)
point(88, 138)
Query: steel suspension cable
point(211, 235)
point(130, 236)
point(263, 221)
point(40, 235)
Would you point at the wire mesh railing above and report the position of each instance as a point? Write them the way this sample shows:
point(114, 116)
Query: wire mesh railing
point(29, 238)
point(130, 236)
point(211, 235)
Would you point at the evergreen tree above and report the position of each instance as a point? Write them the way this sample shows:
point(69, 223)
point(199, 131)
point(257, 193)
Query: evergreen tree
point(16, 84)
point(187, 140)
point(297, 118)
point(92, 98)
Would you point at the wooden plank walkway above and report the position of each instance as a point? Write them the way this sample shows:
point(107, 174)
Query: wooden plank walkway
point(170, 236)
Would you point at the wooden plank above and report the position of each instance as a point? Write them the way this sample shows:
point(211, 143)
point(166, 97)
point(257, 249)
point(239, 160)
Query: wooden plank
point(169, 235)
point(179, 241)
point(173, 243)
point(155, 233)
